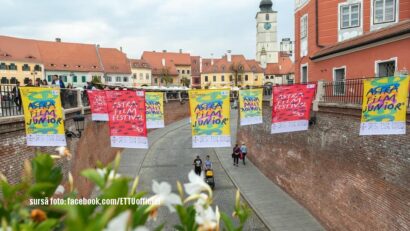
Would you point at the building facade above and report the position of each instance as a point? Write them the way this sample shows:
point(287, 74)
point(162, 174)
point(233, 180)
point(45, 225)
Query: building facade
point(266, 35)
point(229, 70)
point(141, 73)
point(287, 47)
point(20, 60)
point(280, 73)
point(116, 66)
point(339, 40)
point(196, 71)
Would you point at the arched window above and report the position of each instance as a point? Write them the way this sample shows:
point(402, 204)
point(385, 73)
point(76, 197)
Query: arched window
point(26, 80)
point(4, 80)
point(13, 80)
point(267, 17)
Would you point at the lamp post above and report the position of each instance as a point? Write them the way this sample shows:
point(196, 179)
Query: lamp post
point(79, 125)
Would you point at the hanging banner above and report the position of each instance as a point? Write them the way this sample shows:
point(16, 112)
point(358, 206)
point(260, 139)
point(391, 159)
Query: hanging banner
point(384, 106)
point(250, 106)
point(126, 110)
point(98, 105)
point(210, 118)
point(291, 107)
point(154, 102)
point(43, 115)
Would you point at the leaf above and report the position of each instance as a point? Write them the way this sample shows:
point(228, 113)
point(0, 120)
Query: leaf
point(42, 190)
point(159, 228)
point(227, 222)
point(46, 225)
point(94, 176)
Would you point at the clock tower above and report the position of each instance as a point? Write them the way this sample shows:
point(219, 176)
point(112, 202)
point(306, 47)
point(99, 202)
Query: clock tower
point(266, 34)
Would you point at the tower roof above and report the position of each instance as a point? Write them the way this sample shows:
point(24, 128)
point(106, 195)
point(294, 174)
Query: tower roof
point(266, 6)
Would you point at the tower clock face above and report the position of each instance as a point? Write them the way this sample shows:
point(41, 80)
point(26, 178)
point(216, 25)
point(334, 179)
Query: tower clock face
point(267, 26)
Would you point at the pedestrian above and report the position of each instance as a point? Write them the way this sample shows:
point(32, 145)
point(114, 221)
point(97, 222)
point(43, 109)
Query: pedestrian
point(57, 82)
point(30, 83)
point(17, 96)
point(244, 151)
point(44, 82)
point(38, 83)
point(208, 163)
point(71, 94)
point(235, 154)
point(198, 165)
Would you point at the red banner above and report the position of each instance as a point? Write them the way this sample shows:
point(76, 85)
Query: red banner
point(291, 107)
point(98, 105)
point(127, 120)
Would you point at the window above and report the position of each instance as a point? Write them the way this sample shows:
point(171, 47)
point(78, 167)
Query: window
point(179, 71)
point(37, 68)
point(384, 11)
point(246, 78)
point(187, 71)
point(223, 78)
point(49, 78)
point(26, 67)
point(4, 80)
point(117, 79)
point(183, 71)
point(267, 17)
point(3, 66)
point(239, 77)
point(64, 78)
point(271, 77)
point(339, 77)
point(155, 80)
point(26, 80)
point(304, 74)
point(214, 78)
point(107, 78)
point(349, 16)
point(162, 80)
point(141, 76)
point(125, 79)
point(267, 77)
point(13, 80)
point(147, 76)
point(230, 78)
point(13, 67)
point(206, 78)
point(134, 76)
point(74, 78)
point(386, 68)
point(303, 26)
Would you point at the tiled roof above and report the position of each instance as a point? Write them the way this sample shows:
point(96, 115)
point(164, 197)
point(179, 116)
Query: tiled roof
point(283, 67)
point(223, 66)
point(139, 63)
point(397, 29)
point(114, 61)
point(16, 49)
point(171, 59)
point(62, 56)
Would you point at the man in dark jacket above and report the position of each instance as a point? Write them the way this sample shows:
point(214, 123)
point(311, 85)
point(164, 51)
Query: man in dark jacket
point(17, 96)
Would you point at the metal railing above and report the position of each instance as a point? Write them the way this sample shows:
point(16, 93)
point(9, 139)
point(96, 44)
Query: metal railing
point(349, 91)
point(11, 103)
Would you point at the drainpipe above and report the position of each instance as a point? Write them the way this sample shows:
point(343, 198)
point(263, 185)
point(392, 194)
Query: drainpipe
point(317, 25)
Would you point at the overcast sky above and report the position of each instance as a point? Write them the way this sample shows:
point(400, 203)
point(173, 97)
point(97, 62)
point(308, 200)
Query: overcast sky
point(200, 27)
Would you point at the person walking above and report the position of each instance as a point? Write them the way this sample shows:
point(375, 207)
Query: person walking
point(244, 151)
point(236, 153)
point(208, 163)
point(198, 165)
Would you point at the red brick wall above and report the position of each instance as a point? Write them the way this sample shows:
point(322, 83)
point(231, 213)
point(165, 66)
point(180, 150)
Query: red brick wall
point(346, 181)
point(93, 146)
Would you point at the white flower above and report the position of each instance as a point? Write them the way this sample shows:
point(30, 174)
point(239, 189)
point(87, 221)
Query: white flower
point(62, 152)
point(111, 176)
point(141, 228)
point(164, 196)
point(60, 190)
point(207, 219)
point(119, 222)
point(196, 184)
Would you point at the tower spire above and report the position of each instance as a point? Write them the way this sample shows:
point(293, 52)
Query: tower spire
point(266, 6)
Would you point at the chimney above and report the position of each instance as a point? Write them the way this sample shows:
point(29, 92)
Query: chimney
point(212, 59)
point(58, 40)
point(121, 49)
point(180, 51)
point(164, 51)
point(98, 45)
point(229, 56)
point(163, 62)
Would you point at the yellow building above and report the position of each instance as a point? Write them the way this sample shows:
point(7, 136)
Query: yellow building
point(141, 73)
point(231, 71)
point(19, 60)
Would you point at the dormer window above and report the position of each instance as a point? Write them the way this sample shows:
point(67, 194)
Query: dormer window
point(94, 67)
point(65, 65)
point(78, 66)
point(53, 65)
point(30, 57)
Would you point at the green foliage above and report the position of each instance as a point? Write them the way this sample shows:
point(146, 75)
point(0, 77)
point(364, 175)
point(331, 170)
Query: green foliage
point(185, 82)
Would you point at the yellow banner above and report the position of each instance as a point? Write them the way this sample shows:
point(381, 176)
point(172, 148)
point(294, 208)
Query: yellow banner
point(210, 118)
point(250, 106)
point(43, 115)
point(154, 102)
point(384, 106)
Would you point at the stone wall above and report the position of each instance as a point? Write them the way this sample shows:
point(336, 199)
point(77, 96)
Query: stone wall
point(348, 182)
point(93, 146)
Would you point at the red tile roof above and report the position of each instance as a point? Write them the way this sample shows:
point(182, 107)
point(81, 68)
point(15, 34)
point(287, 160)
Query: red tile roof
point(62, 56)
point(223, 66)
point(397, 29)
point(171, 59)
point(195, 66)
point(283, 67)
point(114, 61)
point(16, 49)
point(139, 63)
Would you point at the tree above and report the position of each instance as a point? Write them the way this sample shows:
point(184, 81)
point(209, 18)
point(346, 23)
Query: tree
point(166, 75)
point(236, 69)
point(96, 81)
point(185, 82)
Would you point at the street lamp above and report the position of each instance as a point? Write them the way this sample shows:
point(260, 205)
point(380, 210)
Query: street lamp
point(79, 125)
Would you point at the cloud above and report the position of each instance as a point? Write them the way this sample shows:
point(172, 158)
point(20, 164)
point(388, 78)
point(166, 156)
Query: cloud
point(198, 26)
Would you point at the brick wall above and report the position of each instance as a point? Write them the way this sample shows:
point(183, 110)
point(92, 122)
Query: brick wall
point(93, 146)
point(348, 182)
